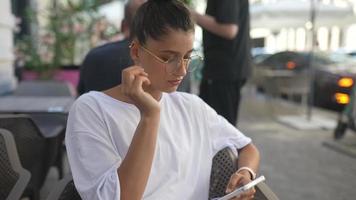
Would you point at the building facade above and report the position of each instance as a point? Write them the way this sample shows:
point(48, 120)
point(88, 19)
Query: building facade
point(7, 24)
point(290, 27)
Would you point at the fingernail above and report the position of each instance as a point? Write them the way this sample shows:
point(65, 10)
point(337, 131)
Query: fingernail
point(227, 190)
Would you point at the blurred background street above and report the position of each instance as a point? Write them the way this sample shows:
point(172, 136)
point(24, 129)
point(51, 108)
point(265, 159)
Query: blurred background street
point(298, 104)
point(299, 164)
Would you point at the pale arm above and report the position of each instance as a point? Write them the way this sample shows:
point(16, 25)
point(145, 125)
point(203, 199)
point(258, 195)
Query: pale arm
point(135, 168)
point(209, 23)
point(249, 156)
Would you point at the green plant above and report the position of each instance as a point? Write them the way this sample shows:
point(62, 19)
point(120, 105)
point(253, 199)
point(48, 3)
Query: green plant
point(64, 35)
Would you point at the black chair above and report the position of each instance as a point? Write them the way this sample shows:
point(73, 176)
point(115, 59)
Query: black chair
point(13, 177)
point(53, 127)
point(64, 190)
point(56, 123)
point(224, 165)
point(35, 151)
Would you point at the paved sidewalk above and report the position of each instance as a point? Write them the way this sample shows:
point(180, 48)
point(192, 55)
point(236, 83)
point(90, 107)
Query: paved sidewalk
point(299, 164)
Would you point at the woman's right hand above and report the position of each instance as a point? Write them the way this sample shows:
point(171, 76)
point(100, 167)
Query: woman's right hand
point(133, 80)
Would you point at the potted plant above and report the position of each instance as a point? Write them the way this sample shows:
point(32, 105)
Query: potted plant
point(61, 41)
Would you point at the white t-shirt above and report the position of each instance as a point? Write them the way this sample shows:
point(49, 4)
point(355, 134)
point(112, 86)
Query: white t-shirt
point(100, 129)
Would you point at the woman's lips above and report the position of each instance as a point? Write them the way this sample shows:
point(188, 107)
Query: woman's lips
point(175, 82)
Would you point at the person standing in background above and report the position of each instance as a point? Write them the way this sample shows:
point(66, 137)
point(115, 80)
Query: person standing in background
point(227, 54)
point(101, 68)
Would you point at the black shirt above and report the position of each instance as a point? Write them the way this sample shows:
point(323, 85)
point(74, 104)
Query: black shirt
point(228, 59)
point(102, 66)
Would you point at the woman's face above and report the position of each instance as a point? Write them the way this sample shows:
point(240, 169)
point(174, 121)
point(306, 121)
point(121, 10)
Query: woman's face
point(174, 46)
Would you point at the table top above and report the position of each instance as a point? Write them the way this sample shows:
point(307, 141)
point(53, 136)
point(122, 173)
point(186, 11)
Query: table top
point(35, 104)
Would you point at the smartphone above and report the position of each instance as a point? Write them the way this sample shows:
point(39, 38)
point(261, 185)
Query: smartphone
point(242, 189)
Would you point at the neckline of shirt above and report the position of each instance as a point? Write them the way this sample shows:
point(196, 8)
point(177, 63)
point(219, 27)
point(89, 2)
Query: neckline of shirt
point(123, 102)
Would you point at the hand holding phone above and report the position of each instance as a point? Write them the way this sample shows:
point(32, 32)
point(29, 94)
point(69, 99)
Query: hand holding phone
point(241, 189)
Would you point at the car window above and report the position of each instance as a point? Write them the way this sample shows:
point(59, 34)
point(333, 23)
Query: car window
point(331, 58)
point(285, 60)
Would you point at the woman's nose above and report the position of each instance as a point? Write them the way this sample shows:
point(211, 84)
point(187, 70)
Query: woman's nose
point(181, 69)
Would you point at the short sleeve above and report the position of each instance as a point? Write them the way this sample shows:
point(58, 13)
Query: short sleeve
point(222, 133)
point(227, 11)
point(92, 156)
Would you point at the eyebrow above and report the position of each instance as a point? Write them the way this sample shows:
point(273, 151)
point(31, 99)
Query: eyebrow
point(174, 52)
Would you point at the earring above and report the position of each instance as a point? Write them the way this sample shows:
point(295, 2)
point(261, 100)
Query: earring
point(131, 45)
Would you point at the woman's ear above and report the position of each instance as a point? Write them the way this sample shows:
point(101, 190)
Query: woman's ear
point(134, 49)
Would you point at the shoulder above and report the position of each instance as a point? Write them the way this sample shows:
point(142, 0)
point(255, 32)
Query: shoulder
point(87, 101)
point(86, 110)
point(111, 47)
point(89, 96)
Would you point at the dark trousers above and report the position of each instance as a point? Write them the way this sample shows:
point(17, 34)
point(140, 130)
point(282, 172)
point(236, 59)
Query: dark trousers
point(223, 96)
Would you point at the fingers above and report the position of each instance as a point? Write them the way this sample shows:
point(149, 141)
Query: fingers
point(138, 81)
point(248, 195)
point(237, 180)
point(241, 197)
point(128, 74)
point(133, 79)
point(132, 86)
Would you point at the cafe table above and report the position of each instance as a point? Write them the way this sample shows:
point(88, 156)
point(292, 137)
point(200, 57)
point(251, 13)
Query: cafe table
point(49, 113)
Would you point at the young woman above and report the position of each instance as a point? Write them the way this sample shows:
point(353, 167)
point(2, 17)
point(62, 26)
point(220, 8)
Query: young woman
point(143, 140)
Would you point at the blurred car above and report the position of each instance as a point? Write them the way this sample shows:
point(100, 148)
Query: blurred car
point(259, 54)
point(260, 58)
point(352, 55)
point(288, 73)
point(277, 72)
point(334, 81)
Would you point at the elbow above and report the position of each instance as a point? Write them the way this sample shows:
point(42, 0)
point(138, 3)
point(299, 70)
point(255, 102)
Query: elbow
point(254, 149)
point(231, 33)
point(251, 150)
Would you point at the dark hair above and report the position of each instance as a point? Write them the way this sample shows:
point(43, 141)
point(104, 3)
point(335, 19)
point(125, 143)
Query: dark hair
point(130, 9)
point(155, 17)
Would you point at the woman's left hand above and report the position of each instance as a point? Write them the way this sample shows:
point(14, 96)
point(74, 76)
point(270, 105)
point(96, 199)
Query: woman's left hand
point(238, 180)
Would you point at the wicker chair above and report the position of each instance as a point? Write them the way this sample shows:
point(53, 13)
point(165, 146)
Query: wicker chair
point(35, 151)
point(64, 190)
point(224, 165)
point(53, 127)
point(51, 88)
point(14, 178)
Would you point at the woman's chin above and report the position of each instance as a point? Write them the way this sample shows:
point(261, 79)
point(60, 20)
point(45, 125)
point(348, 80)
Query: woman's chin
point(170, 89)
